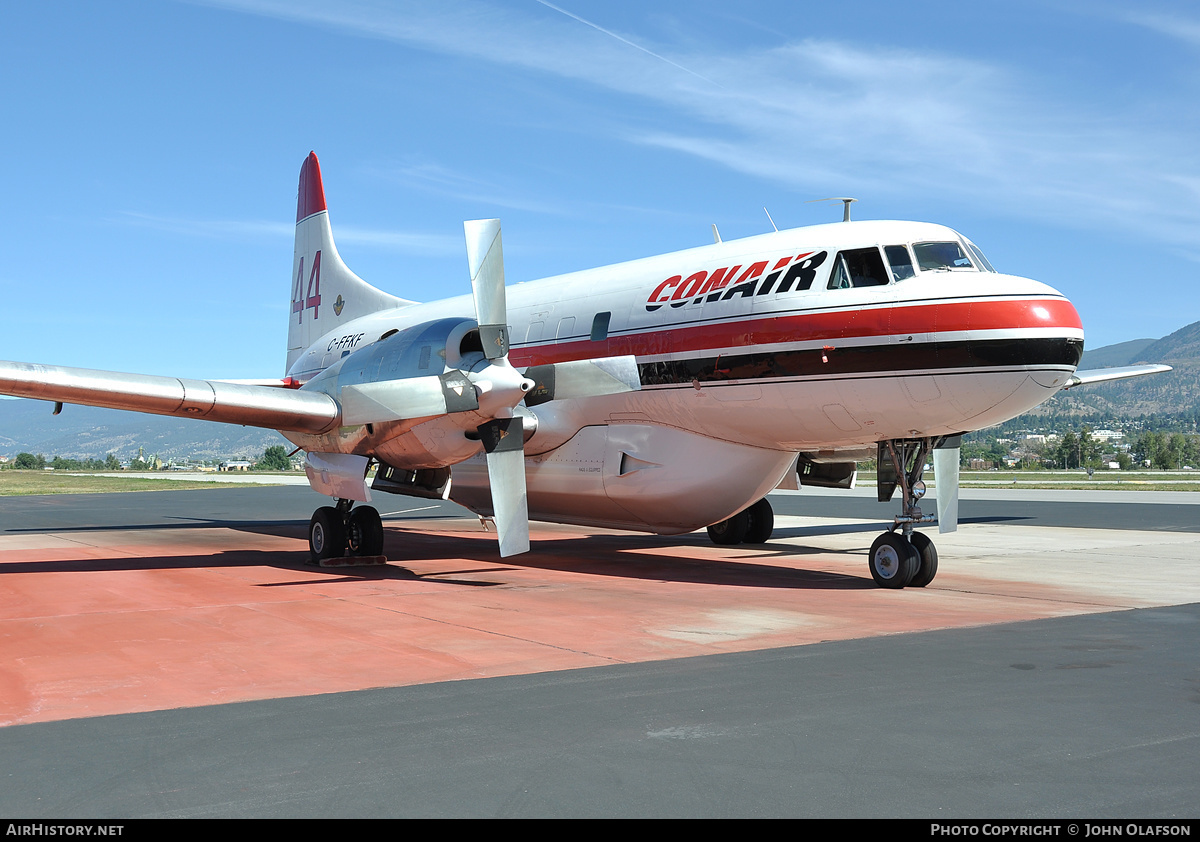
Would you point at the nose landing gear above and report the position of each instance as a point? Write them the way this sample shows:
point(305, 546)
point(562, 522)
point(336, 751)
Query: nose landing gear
point(908, 559)
point(338, 536)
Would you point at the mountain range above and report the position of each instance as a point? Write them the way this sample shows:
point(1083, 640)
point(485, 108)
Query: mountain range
point(87, 432)
point(1175, 393)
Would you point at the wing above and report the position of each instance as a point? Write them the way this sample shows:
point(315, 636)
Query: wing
point(1102, 375)
point(231, 403)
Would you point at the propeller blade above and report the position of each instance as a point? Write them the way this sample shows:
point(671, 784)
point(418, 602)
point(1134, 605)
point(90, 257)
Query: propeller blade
point(582, 379)
point(503, 439)
point(500, 386)
point(945, 472)
point(485, 258)
point(413, 397)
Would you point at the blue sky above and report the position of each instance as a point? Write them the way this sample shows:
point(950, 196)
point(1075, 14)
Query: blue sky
point(152, 150)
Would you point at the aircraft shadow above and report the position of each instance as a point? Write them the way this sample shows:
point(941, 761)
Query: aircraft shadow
point(624, 556)
point(619, 556)
point(261, 527)
point(880, 526)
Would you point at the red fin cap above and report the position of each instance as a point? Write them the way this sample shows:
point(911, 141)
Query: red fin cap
point(311, 196)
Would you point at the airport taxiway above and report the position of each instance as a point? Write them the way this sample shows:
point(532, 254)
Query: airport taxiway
point(1059, 629)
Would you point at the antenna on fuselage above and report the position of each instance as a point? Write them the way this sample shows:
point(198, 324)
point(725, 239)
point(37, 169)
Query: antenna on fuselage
point(716, 234)
point(845, 200)
point(773, 225)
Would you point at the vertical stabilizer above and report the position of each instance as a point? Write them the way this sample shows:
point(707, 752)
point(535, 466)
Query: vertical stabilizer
point(325, 293)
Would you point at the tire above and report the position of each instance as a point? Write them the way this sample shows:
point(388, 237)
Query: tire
point(927, 560)
point(326, 534)
point(364, 532)
point(762, 523)
point(732, 531)
point(893, 561)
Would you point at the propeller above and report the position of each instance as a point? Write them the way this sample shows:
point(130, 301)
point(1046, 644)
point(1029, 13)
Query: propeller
point(501, 388)
point(491, 387)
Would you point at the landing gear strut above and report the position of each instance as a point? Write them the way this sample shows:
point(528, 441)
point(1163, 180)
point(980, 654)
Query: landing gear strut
point(907, 559)
point(336, 532)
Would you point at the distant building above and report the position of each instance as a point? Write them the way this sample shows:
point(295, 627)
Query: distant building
point(235, 466)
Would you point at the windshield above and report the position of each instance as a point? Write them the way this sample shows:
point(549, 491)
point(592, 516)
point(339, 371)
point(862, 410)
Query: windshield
point(941, 256)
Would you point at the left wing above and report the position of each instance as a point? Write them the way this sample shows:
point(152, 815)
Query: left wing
point(231, 403)
point(1102, 375)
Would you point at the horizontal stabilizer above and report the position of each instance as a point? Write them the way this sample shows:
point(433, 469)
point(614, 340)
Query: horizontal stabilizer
point(231, 403)
point(1103, 375)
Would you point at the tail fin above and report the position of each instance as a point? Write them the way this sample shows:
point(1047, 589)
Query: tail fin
point(325, 293)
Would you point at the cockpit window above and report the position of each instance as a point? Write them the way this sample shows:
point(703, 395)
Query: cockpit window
point(980, 261)
point(858, 268)
point(934, 256)
point(902, 266)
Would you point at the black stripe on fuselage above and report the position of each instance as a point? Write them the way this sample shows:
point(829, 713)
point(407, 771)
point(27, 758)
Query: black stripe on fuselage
point(870, 359)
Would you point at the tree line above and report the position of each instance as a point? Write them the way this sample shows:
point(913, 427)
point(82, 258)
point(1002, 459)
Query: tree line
point(38, 462)
point(1153, 449)
point(274, 458)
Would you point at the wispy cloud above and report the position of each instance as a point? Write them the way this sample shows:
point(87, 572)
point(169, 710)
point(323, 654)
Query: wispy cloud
point(625, 41)
point(822, 116)
point(1173, 26)
point(241, 230)
point(443, 181)
point(405, 242)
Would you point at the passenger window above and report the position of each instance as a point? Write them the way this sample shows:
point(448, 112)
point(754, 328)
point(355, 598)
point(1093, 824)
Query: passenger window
point(898, 256)
point(858, 268)
point(600, 327)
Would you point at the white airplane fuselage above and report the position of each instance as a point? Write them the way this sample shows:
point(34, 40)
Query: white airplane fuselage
point(746, 357)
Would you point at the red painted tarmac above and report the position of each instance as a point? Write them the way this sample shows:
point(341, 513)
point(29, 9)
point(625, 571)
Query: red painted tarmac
point(110, 622)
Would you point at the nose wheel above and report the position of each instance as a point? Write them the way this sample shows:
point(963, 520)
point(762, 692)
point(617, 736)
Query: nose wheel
point(337, 535)
point(893, 561)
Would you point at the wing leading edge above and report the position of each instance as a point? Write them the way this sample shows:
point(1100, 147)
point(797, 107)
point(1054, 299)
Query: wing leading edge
point(1103, 375)
point(230, 403)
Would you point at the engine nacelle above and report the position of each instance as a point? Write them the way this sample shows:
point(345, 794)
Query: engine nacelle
point(419, 351)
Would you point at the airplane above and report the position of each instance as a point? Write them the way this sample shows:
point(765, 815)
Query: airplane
point(663, 395)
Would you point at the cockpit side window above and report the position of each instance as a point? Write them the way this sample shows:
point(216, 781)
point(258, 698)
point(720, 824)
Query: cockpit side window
point(932, 257)
point(901, 261)
point(980, 261)
point(858, 268)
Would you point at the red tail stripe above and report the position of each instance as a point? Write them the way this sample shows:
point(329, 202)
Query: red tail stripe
point(311, 195)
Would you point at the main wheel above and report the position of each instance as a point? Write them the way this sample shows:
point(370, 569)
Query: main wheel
point(326, 534)
point(762, 523)
point(893, 561)
point(927, 560)
point(732, 531)
point(364, 532)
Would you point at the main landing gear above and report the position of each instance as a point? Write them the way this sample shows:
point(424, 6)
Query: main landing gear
point(908, 559)
point(750, 526)
point(336, 532)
